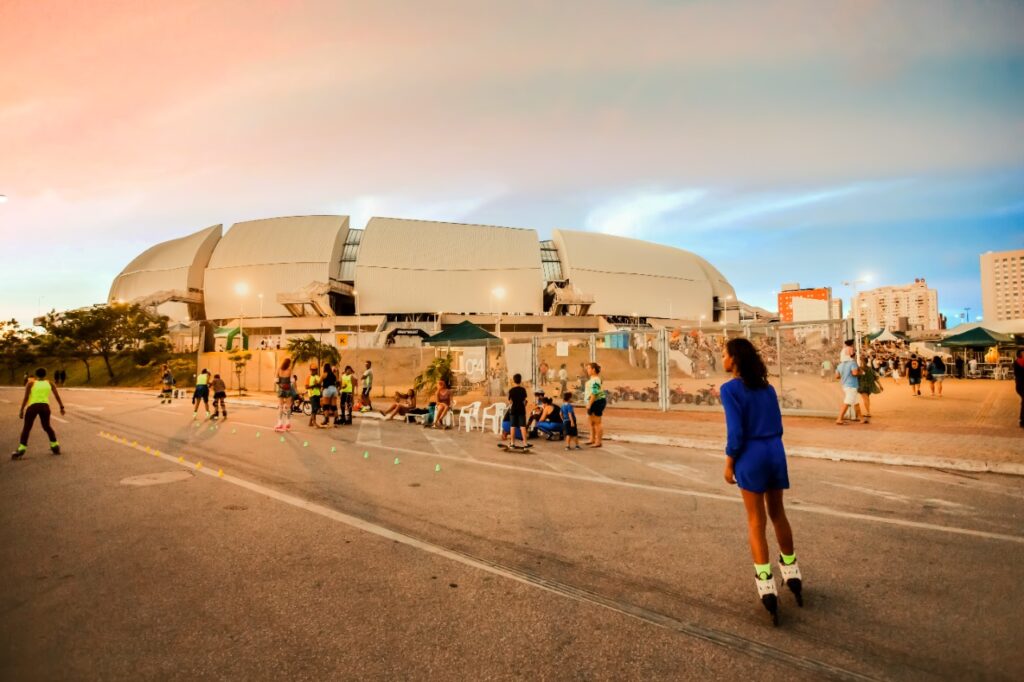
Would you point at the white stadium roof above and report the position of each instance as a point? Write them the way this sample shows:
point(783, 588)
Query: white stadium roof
point(412, 266)
point(272, 257)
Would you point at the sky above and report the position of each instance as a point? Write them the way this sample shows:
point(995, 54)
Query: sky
point(783, 140)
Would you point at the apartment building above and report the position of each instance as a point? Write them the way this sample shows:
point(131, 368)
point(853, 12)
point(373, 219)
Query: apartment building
point(910, 307)
point(1002, 285)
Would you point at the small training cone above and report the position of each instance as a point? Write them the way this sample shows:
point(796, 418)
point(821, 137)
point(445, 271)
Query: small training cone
point(220, 473)
point(334, 449)
point(437, 468)
point(199, 465)
point(234, 430)
point(305, 443)
point(366, 455)
point(181, 459)
point(282, 439)
point(396, 461)
point(257, 434)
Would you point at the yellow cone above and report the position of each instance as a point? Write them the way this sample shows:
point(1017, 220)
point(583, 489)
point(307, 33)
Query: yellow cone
point(220, 473)
point(199, 465)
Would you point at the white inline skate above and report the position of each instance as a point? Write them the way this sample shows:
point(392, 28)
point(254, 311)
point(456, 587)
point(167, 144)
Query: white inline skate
point(769, 594)
point(791, 579)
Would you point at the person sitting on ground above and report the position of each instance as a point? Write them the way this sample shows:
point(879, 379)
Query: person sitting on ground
point(550, 423)
point(444, 404)
point(404, 402)
point(535, 412)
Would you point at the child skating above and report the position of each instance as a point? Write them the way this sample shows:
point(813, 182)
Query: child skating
point(220, 392)
point(167, 385)
point(37, 402)
point(756, 462)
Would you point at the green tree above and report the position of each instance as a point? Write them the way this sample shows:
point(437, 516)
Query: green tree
point(240, 359)
point(439, 368)
point(17, 346)
point(308, 349)
point(66, 335)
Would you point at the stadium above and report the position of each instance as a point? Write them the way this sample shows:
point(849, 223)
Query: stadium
point(397, 281)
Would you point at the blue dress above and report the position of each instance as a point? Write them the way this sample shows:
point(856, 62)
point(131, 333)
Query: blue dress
point(754, 424)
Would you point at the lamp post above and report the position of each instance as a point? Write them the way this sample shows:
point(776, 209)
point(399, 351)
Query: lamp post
point(700, 322)
point(497, 293)
point(359, 326)
point(853, 284)
point(242, 289)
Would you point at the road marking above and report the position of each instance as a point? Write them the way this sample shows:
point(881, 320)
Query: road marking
point(89, 408)
point(884, 494)
point(961, 483)
point(442, 443)
point(369, 433)
point(56, 418)
point(574, 466)
point(2, 400)
point(734, 499)
point(680, 470)
point(718, 637)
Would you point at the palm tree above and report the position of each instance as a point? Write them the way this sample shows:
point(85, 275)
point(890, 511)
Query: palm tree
point(308, 349)
point(439, 368)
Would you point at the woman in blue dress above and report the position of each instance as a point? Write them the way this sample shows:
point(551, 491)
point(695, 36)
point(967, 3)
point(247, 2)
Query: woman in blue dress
point(756, 461)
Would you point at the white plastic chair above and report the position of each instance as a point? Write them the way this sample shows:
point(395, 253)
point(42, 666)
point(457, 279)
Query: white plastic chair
point(470, 415)
point(493, 415)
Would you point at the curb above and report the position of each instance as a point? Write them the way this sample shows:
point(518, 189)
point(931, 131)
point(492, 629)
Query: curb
point(969, 465)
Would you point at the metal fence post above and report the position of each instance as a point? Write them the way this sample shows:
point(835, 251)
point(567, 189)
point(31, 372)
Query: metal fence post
point(663, 387)
point(778, 352)
point(593, 347)
point(533, 362)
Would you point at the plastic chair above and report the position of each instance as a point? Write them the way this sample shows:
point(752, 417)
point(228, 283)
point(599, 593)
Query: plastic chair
point(493, 415)
point(470, 414)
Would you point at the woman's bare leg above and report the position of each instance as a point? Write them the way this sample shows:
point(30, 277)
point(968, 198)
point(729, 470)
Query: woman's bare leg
point(756, 522)
point(777, 513)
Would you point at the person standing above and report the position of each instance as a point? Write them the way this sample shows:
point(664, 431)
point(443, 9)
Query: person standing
point(563, 379)
point(367, 386)
point(313, 392)
point(867, 383)
point(542, 372)
point(914, 370)
point(596, 402)
point(347, 391)
point(569, 425)
point(329, 401)
point(756, 463)
point(936, 373)
point(36, 403)
point(284, 396)
point(1018, 381)
point(847, 373)
point(517, 413)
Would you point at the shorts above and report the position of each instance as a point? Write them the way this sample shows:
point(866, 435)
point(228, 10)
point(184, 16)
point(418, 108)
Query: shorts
point(914, 381)
point(365, 392)
point(762, 466)
point(284, 393)
point(596, 408)
point(570, 430)
point(515, 420)
point(314, 401)
point(331, 392)
point(202, 393)
point(850, 396)
point(220, 395)
point(938, 378)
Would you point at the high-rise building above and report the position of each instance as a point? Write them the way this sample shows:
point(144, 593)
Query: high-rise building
point(1002, 285)
point(899, 308)
point(806, 305)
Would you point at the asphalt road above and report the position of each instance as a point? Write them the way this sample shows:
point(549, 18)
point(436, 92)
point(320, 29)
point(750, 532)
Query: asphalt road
point(122, 561)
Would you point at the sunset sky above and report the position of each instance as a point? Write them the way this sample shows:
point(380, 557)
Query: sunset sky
point(784, 141)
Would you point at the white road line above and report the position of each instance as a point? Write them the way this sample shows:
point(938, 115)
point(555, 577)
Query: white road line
point(369, 433)
point(88, 408)
point(884, 494)
point(442, 443)
point(573, 465)
point(680, 470)
point(720, 638)
point(56, 418)
point(2, 400)
point(961, 483)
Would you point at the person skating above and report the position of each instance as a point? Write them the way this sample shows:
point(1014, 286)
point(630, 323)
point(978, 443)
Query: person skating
point(329, 401)
point(201, 394)
point(36, 403)
point(220, 393)
point(167, 385)
point(347, 391)
point(756, 462)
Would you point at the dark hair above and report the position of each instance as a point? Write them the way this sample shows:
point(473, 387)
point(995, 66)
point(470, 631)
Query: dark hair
point(216, 376)
point(597, 367)
point(848, 342)
point(547, 401)
point(749, 364)
point(40, 373)
point(285, 364)
point(369, 364)
point(517, 378)
point(567, 396)
point(348, 368)
point(1020, 352)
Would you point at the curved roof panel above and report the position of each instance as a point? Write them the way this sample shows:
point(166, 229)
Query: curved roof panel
point(417, 266)
point(175, 265)
point(633, 277)
point(272, 256)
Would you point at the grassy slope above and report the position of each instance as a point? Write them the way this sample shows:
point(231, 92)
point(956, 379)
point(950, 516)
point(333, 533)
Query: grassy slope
point(127, 372)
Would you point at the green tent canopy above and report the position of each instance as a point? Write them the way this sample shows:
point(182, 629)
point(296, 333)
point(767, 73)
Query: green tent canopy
point(979, 337)
point(464, 333)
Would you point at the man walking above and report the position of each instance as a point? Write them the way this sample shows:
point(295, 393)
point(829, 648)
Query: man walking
point(847, 373)
point(914, 369)
point(37, 400)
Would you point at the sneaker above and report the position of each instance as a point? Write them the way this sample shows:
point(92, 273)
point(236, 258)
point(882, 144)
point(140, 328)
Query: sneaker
point(288, 426)
point(18, 454)
point(55, 449)
point(195, 415)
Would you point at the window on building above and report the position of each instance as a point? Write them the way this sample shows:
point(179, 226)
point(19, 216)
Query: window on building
point(550, 264)
point(348, 255)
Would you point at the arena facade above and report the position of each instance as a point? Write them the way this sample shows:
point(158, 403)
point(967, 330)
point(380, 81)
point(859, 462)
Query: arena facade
point(398, 280)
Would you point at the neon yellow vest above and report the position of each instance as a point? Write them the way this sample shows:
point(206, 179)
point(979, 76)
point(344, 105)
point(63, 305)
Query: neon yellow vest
point(40, 392)
point(314, 385)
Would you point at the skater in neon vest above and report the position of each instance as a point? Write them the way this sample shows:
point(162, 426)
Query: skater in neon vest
point(37, 400)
